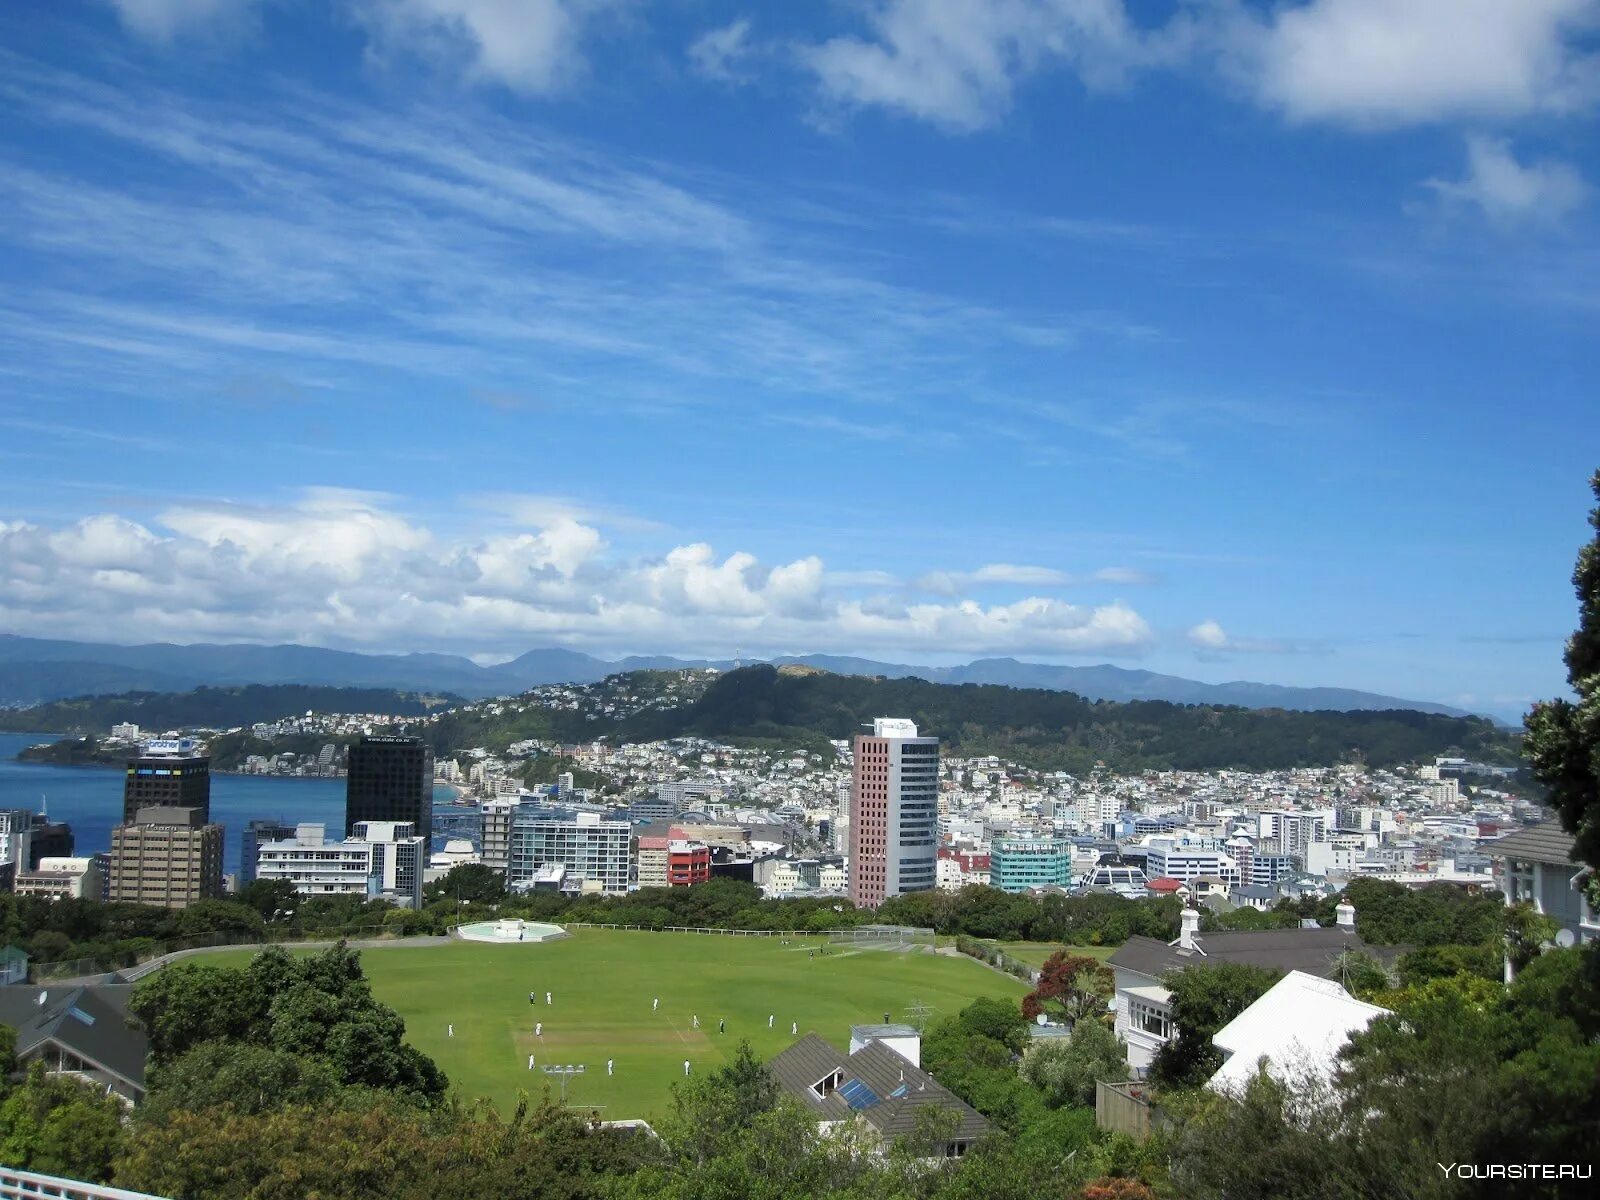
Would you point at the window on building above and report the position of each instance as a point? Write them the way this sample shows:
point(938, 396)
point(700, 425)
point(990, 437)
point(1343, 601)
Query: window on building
point(1150, 1018)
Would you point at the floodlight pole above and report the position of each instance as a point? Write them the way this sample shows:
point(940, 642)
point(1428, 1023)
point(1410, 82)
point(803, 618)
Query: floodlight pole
point(563, 1071)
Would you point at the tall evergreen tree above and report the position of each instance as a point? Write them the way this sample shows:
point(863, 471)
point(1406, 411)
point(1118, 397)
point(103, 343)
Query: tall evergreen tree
point(1563, 741)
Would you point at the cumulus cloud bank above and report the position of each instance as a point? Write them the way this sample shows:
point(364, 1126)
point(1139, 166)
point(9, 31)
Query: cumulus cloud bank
point(339, 567)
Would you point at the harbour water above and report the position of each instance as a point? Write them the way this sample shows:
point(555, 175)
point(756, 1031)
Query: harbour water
point(90, 798)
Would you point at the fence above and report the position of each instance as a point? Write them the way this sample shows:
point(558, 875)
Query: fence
point(29, 1185)
point(1126, 1108)
point(882, 937)
point(682, 929)
point(997, 958)
point(129, 963)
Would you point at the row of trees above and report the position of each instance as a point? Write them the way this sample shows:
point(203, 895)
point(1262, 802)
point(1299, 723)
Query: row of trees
point(120, 934)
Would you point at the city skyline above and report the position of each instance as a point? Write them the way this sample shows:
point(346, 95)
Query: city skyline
point(1217, 346)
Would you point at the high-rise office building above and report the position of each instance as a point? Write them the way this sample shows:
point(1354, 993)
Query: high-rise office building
point(894, 812)
point(166, 856)
point(591, 854)
point(390, 779)
point(494, 834)
point(255, 834)
point(26, 837)
point(169, 774)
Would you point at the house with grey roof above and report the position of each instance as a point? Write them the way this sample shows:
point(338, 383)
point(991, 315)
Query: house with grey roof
point(879, 1091)
point(1535, 866)
point(83, 1031)
point(1143, 1004)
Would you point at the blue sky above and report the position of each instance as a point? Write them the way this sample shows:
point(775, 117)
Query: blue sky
point(1238, 341)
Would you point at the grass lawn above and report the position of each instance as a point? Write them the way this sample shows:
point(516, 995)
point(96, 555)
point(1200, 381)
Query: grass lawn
point(602, 983)
point(1034, 953)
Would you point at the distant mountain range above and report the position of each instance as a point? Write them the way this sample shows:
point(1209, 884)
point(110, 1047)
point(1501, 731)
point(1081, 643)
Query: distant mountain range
point(36, 670)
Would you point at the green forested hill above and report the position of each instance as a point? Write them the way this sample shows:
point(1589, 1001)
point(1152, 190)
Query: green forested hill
point(1060, 731)
point(1048, 730)
point(214, 707)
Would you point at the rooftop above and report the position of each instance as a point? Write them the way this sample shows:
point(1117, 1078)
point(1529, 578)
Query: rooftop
point(1545, 842)
point(1299, 1024)
point(875, 1082)
point(1314, 951)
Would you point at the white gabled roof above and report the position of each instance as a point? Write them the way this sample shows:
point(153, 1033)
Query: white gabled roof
point(1300, 1024)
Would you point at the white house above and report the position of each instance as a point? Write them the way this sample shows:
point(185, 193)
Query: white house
point(1536, 866)
point(1143, 1003)
point(1296, 1028)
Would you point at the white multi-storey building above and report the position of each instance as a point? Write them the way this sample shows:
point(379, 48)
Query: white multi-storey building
point(1184, 861)
point(594, 853)
point(1295, 829)
point(383, 858)
point(494, 842)
point(61, 878)
point(894, 804)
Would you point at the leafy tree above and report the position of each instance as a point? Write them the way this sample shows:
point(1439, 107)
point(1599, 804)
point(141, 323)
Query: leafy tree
point(187, 1003)
point(318, 1008)
point(219, 916)
point(273, 899)
point(247, 1078)
point(1361, 975)
point(1527, 934)
point(1067, 1069)
point(291, 1152)
point(1204, 999)
point(1277, 1138)
point(1113, 1188)
point(1072, 987)
point(1563, 736)
point(1441, 962)
point(997, 1019)
point(58, 1125)
point(468, 883)
point(8, 1053)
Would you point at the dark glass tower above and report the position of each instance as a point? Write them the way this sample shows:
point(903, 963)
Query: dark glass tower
point(390, 779)
point(167, 780)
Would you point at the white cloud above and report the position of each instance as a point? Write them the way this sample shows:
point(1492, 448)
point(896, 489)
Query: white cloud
point(1024, 575)
point(1212, 641)
point(1401, 61)
point(344, 567)
point(529, 46)
point(956, 63)
point(952, 583)
point(164, 20)
point(1508, 191)
point(721, 54)
point(1126, 575)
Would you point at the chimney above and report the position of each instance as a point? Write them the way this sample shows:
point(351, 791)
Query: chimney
point(1188, 928)
point(1345, 916)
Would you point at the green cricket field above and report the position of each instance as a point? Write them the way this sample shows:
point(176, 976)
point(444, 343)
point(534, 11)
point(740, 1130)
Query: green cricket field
point(604, 988)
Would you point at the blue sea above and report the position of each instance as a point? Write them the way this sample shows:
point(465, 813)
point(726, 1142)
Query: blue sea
point(90, 798)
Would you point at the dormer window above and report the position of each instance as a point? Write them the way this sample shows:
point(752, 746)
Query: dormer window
point(828, 1084)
